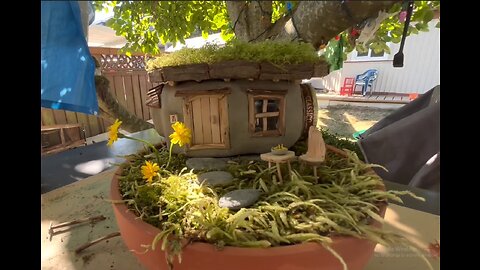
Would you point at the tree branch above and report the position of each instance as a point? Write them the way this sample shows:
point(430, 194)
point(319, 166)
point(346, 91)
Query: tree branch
point(110, 109)
point(319, 21)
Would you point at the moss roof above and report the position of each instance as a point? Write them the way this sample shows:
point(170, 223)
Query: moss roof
point(275, 52)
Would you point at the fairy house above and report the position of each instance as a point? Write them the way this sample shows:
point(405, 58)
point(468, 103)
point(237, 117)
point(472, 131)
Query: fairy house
point(235, 107)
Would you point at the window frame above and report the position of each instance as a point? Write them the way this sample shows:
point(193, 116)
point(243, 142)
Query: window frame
point(386, 56)
point(257, 94)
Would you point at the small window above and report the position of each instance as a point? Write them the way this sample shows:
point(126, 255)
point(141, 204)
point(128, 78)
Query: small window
point(266, 112)
point(371, 53)
point(361, 54)
point(380, 54)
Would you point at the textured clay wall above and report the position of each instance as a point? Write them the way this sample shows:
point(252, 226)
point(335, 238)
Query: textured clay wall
point(241, 142)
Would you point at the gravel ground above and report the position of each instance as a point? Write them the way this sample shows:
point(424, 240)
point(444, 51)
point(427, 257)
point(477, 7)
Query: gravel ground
point(346, 120)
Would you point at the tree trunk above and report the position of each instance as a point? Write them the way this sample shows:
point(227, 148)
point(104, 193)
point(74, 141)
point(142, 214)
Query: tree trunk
point(315, 22)
point(250, 19)
point(110, 108)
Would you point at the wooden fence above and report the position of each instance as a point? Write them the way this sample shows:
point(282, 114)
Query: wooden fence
point(128, 83)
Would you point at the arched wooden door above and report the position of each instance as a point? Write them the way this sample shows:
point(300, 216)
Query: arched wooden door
point(207, 116)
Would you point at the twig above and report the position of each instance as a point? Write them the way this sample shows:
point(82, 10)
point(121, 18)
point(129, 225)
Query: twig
point(91, 243)
point(74, 222)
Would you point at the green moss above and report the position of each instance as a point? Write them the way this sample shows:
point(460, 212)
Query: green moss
point(333, 139)
point(275, 52)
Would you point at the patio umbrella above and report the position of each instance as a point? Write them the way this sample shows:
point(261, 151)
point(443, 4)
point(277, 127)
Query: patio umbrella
point(407, 143)
point(67, 66)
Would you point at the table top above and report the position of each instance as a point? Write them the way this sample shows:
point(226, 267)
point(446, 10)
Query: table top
point(88, 198)
point(69, 166)
point(289, 155)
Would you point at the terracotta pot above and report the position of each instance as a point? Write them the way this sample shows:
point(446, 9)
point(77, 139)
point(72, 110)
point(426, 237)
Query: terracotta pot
point(199, 256)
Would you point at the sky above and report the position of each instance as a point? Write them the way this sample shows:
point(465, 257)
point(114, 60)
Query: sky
point(102, 16)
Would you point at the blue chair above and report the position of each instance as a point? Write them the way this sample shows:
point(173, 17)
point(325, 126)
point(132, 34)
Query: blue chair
point(366, 80)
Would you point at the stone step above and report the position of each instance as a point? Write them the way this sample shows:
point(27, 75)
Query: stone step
point(215, 178)
point(238, 199)
point(200, 164)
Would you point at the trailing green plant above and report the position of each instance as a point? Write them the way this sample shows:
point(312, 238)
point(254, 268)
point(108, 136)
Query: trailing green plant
point(343, 200)
point(275, 52)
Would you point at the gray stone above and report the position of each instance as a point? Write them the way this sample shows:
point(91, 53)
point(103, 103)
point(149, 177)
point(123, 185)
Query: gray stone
point(216, 178)
point(206, 163)
point(237, 199)
point(247, 157)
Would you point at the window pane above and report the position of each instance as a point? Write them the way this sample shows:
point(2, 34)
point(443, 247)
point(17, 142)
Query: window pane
point(258, 125)
point(272, 123)
point(359, 54)
point(273, 105)
point(380, 54)
point(258, 105)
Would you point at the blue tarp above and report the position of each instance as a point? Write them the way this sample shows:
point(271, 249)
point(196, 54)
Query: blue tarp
point(67, 66)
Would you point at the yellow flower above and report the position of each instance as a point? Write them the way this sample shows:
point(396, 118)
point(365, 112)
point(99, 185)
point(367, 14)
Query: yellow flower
point(149, 170)
point(113, 132)
point(182, 134)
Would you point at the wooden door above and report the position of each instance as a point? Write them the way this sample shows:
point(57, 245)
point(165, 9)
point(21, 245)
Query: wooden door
point(207, 117)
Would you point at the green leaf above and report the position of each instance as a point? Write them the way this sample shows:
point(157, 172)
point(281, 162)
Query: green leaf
point(110, 22)
point(386, 48)
point(395, 8)
point(386, 38)
point(419, 26)
point(418, 15)
point(413, 30)
point(437, 25)
point(361, 49)
point(205, 34)
point(428, 16)
point(396, 39)
point(349, 49)
point(422, 27)
point(377, 50)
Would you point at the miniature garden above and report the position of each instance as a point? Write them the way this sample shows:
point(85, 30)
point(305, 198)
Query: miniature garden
point(240, 202)
point(272, 182)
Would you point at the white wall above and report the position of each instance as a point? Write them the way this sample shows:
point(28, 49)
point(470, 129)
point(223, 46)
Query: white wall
point(420, 72)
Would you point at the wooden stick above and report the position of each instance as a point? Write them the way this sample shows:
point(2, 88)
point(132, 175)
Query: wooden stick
point(91, 243)
point(74, 222)
point(279, 174)
point(78, 221)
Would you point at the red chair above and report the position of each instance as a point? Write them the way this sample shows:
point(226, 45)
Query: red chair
point(347, 88)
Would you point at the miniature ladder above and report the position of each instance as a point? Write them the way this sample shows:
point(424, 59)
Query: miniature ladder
point(347, 88)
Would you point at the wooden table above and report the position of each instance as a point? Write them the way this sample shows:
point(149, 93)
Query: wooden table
point(279, 159)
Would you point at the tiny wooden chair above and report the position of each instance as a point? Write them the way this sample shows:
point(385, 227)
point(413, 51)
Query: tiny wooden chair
point(316, 149)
